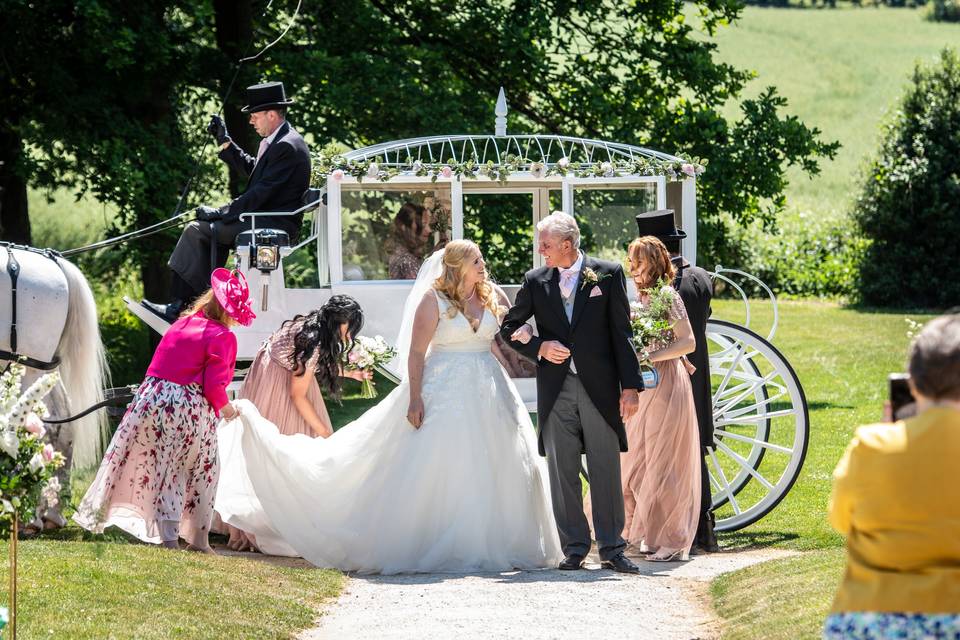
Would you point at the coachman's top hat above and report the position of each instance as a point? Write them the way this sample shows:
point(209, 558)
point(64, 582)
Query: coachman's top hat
point(268, 95)
point(659, 224)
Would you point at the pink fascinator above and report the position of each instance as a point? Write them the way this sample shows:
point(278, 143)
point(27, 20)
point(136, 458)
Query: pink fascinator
point(231, 291)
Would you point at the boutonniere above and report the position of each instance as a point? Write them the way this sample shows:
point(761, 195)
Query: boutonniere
point(591, 277)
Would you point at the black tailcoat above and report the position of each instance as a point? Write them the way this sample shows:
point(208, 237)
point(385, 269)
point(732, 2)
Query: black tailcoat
point(275, 183)
point(696, 290)
point(598, 336)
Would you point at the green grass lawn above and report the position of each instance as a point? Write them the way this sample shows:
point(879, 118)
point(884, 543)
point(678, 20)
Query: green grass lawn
point(842, 357)
point(77, 586)
point(112, 589)
point(782, 600)
point(841, 70)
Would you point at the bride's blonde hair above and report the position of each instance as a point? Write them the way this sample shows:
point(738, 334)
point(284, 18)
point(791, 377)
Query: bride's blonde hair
point(457, 258)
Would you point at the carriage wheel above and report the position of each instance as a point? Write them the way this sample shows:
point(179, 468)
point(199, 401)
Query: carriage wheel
point(761, 425)
point(723, 349)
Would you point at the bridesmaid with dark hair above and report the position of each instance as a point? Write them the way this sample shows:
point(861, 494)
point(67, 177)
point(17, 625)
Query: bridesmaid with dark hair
point(284, 381)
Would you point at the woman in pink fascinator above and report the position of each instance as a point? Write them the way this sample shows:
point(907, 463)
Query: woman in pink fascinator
point(158, 478)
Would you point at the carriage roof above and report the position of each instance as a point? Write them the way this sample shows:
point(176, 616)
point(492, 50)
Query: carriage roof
point(547, 149)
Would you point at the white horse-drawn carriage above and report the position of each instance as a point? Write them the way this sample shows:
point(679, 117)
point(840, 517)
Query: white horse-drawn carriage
point(468, 184)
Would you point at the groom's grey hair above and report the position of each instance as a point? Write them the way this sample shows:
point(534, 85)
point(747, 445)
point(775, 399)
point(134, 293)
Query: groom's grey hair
point(561, 225)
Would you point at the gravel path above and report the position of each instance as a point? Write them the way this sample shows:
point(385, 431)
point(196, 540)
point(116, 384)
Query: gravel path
point(668, 600)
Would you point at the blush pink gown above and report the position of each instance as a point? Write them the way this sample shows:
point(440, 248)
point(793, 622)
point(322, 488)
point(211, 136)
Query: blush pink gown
point(661, 470)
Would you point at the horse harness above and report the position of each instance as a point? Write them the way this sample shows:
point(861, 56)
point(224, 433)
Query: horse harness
point(13, 270)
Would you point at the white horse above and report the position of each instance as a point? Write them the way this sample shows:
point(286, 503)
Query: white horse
point(48, 319)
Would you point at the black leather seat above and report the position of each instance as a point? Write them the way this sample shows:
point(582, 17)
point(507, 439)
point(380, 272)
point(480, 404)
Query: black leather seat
point(274, 237)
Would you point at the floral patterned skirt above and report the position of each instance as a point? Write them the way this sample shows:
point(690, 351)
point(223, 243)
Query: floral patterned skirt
point(889, 626)
point(161, 467)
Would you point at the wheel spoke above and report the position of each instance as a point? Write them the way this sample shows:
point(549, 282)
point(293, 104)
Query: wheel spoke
point(743, 394)
point(758, 407)
point(726, 378)
point(760, 417)
point(755, 442)
point(726, 485)
point(746, 465)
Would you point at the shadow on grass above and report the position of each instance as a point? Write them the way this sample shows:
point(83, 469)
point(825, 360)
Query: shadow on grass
point(745, 540)
point(73, 533)
point(820, 404)
point(892, 311)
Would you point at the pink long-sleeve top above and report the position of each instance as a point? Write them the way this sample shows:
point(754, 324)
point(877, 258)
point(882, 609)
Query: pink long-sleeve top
point(197, 349)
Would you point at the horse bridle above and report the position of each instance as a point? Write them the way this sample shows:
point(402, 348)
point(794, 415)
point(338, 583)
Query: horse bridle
point(13, 270)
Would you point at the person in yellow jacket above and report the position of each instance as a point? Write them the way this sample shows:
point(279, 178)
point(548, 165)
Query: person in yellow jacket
point(897, 500)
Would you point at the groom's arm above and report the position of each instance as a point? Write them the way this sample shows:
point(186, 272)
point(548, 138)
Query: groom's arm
point(519, 313)
point(627, 364)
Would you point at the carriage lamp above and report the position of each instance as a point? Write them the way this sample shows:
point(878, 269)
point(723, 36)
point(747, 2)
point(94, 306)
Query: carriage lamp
point(265, 256)
point(265, 251)
point(268, 257)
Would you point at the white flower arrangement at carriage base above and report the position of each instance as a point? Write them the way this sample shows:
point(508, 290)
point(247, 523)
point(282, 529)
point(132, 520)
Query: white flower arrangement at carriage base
point(337, 166)
point(27, 463)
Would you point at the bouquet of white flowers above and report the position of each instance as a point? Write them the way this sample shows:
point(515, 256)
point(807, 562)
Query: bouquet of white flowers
point(366, 354)
point(651, 328)
point(26, 462)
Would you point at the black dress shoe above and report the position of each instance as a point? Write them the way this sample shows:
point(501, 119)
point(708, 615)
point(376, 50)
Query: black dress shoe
point(169, 312)
point(621, 564)
point(571, 563)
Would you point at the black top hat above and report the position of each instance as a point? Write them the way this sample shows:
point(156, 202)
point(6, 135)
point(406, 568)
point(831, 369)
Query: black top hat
point(660, 224)
point(269, 95)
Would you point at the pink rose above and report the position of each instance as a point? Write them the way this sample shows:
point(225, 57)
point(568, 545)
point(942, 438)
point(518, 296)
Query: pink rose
point(353, 357)
point(446, 172)
point(48, 452)
point(34, 425)
point(337, 174)
point(689, 169)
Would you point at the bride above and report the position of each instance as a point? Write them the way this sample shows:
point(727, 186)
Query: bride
point(441, 476)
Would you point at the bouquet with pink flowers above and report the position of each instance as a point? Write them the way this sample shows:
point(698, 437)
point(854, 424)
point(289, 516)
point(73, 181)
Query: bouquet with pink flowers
point(27, 463)
point(365, 355)
point(652, 328)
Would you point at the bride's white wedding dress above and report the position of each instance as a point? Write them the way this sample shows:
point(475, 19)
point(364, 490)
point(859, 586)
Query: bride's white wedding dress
point(465, 492)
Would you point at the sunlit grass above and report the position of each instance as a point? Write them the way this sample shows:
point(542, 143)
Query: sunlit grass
point(95, 590)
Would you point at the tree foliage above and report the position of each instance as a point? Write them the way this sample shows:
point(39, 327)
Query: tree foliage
point(910, 204)
point(113, 92)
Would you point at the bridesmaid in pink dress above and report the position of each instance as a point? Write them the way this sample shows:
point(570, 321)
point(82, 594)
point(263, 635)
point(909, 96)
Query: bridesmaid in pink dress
point(159, 476)
point(282, 381)
point(661, 470)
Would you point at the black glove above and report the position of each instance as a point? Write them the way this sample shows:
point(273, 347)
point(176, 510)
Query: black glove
point(208, 214)
point(218, 130)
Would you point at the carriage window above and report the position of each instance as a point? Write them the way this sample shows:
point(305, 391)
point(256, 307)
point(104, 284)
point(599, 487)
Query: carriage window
point(387, 232)
point(607, 217)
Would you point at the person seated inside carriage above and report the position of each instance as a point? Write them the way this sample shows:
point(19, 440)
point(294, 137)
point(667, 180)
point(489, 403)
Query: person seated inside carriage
point(278, 176)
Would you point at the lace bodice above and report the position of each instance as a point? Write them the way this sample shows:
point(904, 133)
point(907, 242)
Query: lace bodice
point(456, 334)
point(280, 346)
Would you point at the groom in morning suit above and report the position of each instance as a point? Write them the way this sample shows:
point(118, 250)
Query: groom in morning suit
point(588, 377)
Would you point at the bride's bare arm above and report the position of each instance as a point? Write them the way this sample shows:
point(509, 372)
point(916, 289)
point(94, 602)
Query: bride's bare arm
point(424, 326)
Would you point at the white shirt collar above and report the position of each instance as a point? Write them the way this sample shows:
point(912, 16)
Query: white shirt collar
point(575, 267)
point(273, 135)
